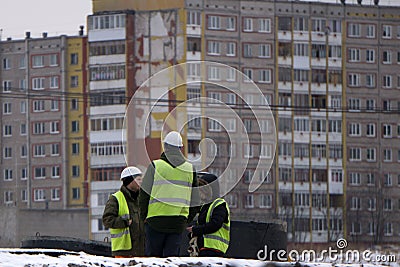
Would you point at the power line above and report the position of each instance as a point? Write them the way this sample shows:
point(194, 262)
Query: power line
point(32, 94)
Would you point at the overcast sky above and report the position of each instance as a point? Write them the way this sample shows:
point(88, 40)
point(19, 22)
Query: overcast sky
point(64, 16)
point(52, 16)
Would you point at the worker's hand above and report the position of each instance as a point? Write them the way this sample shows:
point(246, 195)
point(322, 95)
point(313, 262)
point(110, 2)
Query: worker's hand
point(130, 222)
point(189, 229)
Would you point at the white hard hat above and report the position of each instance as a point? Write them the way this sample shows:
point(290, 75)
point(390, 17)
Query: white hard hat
point(130, 171)
point(174, 139)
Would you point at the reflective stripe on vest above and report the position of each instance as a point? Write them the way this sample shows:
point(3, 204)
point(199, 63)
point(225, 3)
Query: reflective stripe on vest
point(220, 239)
point(121, 238)
point(172, 190)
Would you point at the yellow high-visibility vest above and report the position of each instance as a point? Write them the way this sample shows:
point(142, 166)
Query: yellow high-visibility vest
point(121, 238)
point(172, 190)
point(220, 239)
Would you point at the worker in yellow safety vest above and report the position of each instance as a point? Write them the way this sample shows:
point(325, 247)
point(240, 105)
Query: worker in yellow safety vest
point(166, 199)
point(121, 215)
point(213, 225)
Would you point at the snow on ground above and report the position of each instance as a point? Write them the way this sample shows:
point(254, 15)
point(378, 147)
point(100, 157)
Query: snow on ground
point(62, 258)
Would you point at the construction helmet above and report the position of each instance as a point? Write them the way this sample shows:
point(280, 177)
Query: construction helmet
point(130, 171)
point(174, 139)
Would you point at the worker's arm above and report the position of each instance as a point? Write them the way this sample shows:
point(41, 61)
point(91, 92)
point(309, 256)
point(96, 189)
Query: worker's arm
point(145, 191)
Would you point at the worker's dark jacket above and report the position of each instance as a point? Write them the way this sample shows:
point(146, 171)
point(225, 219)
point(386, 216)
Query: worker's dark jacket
point(218, 217)
point(166, 224)
point(136, 229)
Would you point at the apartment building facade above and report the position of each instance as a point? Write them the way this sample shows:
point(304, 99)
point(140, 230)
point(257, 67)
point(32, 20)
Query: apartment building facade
point(43, 122)
point(318, 65)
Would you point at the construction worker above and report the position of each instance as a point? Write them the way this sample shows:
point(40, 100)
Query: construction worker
point(167, 200)
point(213, 225)
point(121, 215)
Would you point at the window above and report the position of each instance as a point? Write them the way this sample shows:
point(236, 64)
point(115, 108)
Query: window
point(38, 128)
point(22, 107)
point(38, 195)
point(37, 61)
point(248, 75)
point(249, 201)
point(6, 64)
point(6, 108)
point(265, 201)
point(55, 172)
point(266, 151)
point(230, 23)
point(231, 74)
point(300, 24)
point(55, 194)
point(370, 104)
point(39, 151)
point(22, 129)
point(8, 175)
point(371, 154)
point(76, 193)
point(191, 94)
point(265, 125)
point(370, 55)
point(248, 24)
point(232, 201)
point(370, 130)
point(355, 154)
point(264, 50)
point(55, 149)
point(24, 195)
point(354, 178)
point(75, 171)
point(214, 48)
point(264, 25)
point(387, 130)
point(354, 104)
point(318, 25)
point(370, 179)
point(74, 104)
point(54, 82)
point(214, 73)
point(387, 179)
point(247, 50)
point(370, 80)
point(38, 83)
point(354, 55)
point(75, 126)
point(54, 60)
point(7, 153)
point(74, 59)
point(54, 127)
point(8, 197)
point(231, 125)
point(387, 204)
point(387, 57)
point(74, 81)
point(24, 174)
point(387, 81)
point(355, 203)
point(7, 130)
point(355, 129)
point(38, 105)
point(193, 70)
point(39, 172)
point(248, 151)
point(54, 105)
point(370, 31)
point(387, 31)
point(214, 23)
point(22, 62)
point(24, 151)
point(193, 18)
point(354, 30)
point(371, 204)
point(22, 84)
point(231, 49)
point(75, 148)
point(388, 229)
point(7, 86)
point(387, 155)
point(264, 76)
point(386, 105)
point(231, 99)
